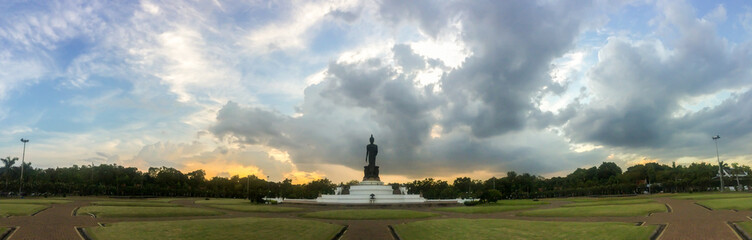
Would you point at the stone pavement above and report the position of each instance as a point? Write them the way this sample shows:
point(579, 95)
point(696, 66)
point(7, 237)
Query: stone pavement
point(56, 222)
point(688, 220)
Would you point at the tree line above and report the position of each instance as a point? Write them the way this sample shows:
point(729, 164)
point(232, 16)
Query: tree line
point(606, 179)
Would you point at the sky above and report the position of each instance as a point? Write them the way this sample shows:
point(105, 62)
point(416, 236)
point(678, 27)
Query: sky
point(294, 89)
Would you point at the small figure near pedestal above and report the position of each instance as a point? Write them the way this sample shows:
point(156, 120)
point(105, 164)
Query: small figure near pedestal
point(371, 171)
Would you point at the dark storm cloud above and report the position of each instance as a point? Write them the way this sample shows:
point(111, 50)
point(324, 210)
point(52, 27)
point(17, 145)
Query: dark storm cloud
point(513, 44)
point(432, 16)
point(639, 86)
point(481, 105)
point(406, 58)
point(256, 126)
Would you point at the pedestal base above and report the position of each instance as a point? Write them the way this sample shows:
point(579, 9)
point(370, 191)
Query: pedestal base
point(371, 173)
point(371, 192)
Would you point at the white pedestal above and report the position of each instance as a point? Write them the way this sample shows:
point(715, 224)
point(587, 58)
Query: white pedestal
point(361, 194)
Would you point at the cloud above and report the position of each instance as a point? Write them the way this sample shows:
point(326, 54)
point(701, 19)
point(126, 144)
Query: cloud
point(294, 90)
point(293, 32)
point(638, 85)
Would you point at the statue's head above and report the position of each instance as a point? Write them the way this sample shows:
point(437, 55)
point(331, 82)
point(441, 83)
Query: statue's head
point(371, 139)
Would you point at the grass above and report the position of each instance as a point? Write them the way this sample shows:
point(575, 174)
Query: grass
point(165, 200)
point(604, 199)
point(223, 201)
point(486, 208)
point(34, 201)
point(746, 226)
point(147, 212)
point(18, 209)
point(234, 228)
point(519, 229)
point(247, 207)
point(598, 211)
point(610, 202)
point(361, 214)
point(134, 203)
point(520, 202)
point(711, 195)
point(728, 203)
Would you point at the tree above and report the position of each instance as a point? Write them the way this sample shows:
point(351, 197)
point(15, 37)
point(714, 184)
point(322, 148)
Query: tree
point(608, 170)
point(7, 164)
point(490, 195)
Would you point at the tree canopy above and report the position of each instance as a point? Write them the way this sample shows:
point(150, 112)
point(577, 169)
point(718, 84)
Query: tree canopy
point(606, 179)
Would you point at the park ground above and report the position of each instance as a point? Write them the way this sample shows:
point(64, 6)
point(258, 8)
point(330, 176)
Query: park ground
point(660, 216)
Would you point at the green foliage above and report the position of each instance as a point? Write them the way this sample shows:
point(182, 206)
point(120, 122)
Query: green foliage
point(361, 214)
point(518, 229)
point(486, 208)
point(146, 212)
point(490, 195)
point(234, 228)
point(471, 203)
point(598, 211)
point(166, 182)
point(19, 209)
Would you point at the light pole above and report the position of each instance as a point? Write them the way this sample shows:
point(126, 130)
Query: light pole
point(23, 157)
point(718, 156)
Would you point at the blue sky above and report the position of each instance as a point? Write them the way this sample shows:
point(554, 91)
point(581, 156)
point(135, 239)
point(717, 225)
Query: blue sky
point(293, 89)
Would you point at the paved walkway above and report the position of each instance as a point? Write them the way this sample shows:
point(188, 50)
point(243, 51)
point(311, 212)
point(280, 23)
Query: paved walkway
point(56, 222)
point(686, 220)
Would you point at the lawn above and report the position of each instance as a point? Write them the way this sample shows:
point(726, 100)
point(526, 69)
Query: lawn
point(127, 211)
point(34, 201)
point(712, 195)
point(247, 207)
point(223, 201)
point(519, 229)
point(610, 202)
point(18, 209)
point(166, 200)
point(598, 211)
point(520, 202)
point(361, 214)
point(234, 228)
point(728, 203)
point(746, 226)
point(604, 199)
point(485, 208)
point(134, 203)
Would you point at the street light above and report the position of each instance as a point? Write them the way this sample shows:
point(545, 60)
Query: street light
point(720, 166)
point(20, 186)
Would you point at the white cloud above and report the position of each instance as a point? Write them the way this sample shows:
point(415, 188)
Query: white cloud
point(292, 33)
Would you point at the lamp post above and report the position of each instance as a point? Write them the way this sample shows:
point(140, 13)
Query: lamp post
point(718, 156)
point(23, 157)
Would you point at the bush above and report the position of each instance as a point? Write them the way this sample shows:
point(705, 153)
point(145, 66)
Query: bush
point(471, 203)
